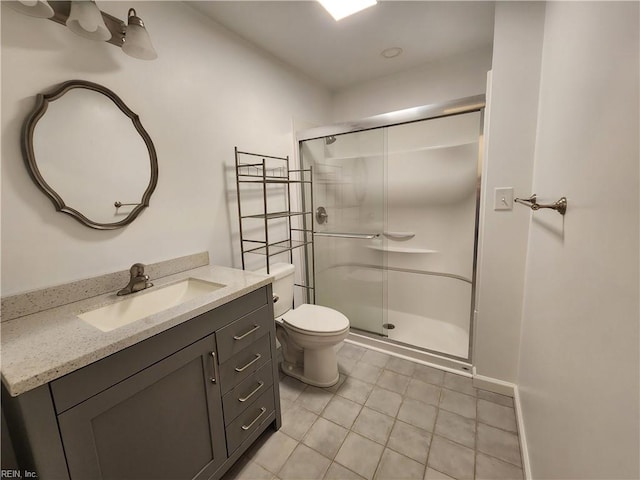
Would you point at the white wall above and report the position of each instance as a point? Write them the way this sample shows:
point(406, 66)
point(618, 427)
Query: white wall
point(510, 124)
point(515, 62)
point(206, 93)
point(579, 361)
point(448, 79)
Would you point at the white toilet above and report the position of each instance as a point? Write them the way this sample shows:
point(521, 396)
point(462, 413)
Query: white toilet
point(307, 333)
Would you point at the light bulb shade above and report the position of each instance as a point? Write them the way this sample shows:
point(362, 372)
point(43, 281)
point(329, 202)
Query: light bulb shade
point(86, 20)
point(137, 42)
point(34, 8)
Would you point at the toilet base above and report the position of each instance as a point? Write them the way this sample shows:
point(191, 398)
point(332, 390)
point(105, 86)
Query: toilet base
point(297, 372)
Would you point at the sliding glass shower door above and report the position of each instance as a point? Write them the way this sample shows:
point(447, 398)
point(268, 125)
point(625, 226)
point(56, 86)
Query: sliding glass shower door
point(396, 225)
point(349, 203)
point(432, 203)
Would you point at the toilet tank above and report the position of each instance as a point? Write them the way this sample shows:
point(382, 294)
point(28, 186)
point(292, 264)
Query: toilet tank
point(283, 279)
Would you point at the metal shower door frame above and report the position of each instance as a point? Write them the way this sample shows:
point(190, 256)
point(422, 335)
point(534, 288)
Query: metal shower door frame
point(476, 103)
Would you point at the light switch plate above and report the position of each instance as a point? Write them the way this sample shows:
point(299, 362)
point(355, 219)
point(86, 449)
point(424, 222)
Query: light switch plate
point(503, 199)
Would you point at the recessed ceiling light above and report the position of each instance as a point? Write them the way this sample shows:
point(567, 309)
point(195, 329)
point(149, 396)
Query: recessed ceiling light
point(343, 8)
point(391, 52)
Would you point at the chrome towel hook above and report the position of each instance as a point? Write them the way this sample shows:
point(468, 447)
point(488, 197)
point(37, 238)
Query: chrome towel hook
point(560, 206)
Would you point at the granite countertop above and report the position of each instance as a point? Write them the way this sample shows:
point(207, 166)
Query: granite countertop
point(41, 347)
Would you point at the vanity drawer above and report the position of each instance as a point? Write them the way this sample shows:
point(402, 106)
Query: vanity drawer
point(241, 333)
point(250, 420)
point(244, 364)
point(246, 392)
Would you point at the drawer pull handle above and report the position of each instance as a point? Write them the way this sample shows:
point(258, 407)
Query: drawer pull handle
point(242, 369)
point(255, 390)
point(240, 337)
point(215, 368)
point(262, 412)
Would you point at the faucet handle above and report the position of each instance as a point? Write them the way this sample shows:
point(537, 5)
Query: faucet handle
point(137, 269)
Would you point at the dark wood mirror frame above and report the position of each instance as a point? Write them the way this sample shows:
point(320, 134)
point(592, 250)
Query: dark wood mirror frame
point(42, 103)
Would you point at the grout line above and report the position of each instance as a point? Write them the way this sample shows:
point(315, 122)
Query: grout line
point(502, 460)
point(521, 467)
point(346, 468)
point(438, 472)
point(385, 445)
point(301, 442)
point(502, 429)
point(395, 420)
point(404, 454)
point(318, 451)
point(441, 388)
point(288, 456)
point(435, 422)
point(433, 434)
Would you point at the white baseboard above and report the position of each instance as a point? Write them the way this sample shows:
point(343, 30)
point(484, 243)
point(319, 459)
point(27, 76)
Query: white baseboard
point(493, 385)
point(526, 465)
point(511, 390)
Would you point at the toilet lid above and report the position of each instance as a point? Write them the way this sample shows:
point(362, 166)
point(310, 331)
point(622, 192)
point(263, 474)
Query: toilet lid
point(315, 318)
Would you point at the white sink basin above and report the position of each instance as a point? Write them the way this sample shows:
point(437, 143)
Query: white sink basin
point(142, 304)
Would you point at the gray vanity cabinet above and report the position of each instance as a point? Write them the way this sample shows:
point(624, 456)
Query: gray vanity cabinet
point(184, 404)
point(165, 422)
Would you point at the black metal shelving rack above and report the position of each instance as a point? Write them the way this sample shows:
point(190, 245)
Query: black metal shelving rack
point(271, 170)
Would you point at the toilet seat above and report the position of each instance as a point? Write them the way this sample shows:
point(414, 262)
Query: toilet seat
point(315, 320)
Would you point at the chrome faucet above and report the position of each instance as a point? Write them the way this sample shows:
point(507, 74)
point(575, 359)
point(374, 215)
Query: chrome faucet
point(138, 281)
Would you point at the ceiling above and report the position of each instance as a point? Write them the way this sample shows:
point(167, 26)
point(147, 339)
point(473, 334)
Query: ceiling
point(348, 52)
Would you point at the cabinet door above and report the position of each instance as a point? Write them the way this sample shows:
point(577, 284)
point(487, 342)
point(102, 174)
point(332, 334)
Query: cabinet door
point(164, 422)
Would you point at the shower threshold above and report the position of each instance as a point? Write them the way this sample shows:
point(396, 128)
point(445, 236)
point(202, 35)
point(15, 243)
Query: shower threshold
point(402, 350)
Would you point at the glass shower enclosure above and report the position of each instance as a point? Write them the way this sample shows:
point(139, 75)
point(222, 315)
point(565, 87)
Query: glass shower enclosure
point(349, 208)
point(396, 200)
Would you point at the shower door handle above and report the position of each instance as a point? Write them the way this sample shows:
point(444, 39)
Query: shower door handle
point(363, 236)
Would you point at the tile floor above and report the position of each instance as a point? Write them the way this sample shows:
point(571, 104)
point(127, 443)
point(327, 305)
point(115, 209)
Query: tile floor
point(387, 418)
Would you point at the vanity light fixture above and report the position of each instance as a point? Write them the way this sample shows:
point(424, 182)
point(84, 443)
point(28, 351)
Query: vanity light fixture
point(33, 8)
point(137, 42)
point(340, 9)
point(86, 19)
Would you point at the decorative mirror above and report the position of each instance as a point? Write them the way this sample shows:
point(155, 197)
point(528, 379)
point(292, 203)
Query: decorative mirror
point(83, 152)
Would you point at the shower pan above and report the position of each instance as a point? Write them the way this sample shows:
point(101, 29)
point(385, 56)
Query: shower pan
point(395, 239)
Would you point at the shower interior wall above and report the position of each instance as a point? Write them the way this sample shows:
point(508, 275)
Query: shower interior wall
point(432, 179)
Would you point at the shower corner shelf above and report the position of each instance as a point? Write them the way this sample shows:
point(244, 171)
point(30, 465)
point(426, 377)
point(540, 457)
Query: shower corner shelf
point(391, 249)
point(273, 171)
